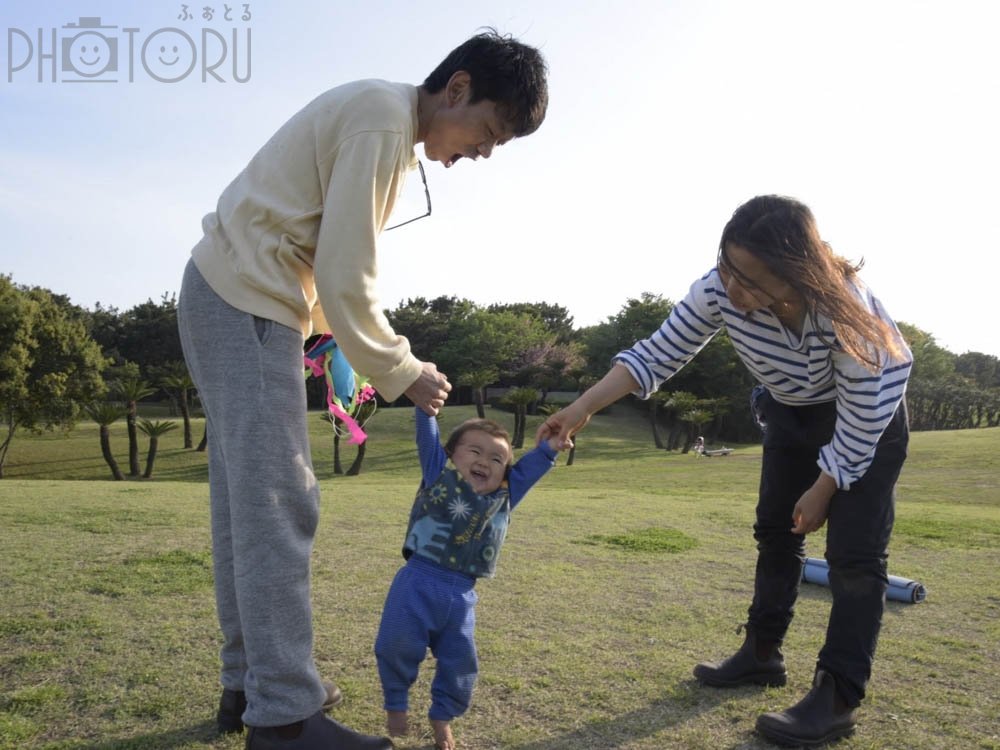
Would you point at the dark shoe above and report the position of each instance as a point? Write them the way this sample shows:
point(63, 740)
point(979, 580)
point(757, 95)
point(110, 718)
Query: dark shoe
point(818, 718)
point(318, 732)
point(757, 664)
point(233, 703)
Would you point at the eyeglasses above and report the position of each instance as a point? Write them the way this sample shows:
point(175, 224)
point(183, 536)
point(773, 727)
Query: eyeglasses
point(427, 195)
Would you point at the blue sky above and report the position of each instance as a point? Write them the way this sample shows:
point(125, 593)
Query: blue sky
point(881, 115)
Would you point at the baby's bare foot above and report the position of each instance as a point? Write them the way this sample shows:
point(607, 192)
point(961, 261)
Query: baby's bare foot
point(397, 723)
point(442, 735)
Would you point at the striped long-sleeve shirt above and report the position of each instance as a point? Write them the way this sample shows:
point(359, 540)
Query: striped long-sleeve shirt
point(797, 370)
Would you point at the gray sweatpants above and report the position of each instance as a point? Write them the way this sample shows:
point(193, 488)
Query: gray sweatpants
point(264, 500)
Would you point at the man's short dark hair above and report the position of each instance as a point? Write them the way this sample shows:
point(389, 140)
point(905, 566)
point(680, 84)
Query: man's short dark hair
point(503, 70)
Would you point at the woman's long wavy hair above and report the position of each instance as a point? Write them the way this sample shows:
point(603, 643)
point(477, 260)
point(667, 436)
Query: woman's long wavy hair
point(782, 233)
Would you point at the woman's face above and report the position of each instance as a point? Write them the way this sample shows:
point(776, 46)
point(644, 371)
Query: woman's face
point(751, 285)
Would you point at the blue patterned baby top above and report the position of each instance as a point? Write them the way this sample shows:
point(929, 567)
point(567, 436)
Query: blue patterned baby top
point(456, 528)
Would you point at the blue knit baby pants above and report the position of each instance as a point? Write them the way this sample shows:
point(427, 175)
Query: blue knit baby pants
point(429, 606)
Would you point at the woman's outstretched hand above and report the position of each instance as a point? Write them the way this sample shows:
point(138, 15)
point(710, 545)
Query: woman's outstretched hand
point(559, 428)
point(564, 424)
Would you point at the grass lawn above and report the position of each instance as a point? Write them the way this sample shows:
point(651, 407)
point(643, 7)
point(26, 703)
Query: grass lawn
point(619, 574)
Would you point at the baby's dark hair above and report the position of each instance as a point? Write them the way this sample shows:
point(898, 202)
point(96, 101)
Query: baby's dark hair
point(503, 70)
point(491, 428)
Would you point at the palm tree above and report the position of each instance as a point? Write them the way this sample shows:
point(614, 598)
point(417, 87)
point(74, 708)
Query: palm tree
point(674, 405)
point(364, 412)
point(655, 401)
point(106, 413)
point(331, 420)
point(154, 430)
point(179, 385)
point(520, 398)
point(203, 444)
point(362, 415)
point(133, 390)
point(695, 419)
point(478, 380)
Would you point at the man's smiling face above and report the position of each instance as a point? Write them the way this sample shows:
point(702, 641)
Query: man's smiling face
point(462, 130)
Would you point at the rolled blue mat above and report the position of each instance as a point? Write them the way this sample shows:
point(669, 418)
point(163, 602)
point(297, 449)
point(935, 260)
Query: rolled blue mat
point(817, 570)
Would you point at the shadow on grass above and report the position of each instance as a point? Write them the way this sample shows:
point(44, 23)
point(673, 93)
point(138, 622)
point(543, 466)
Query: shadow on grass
point(191, 473)
point(689, 699)
point(205, 732)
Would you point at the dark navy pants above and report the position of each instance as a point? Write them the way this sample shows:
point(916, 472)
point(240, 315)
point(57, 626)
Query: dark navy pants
point(858, 526)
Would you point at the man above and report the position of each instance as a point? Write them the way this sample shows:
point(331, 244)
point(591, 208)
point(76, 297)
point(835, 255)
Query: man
point(291, 248)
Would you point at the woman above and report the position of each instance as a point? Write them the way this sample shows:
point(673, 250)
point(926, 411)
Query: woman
point(834, 368)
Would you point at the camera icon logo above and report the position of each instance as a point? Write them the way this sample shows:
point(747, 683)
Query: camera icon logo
point(89, 53)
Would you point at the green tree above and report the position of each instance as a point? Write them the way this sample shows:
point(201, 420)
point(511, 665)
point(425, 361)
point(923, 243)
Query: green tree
point(425, 323)
point(105, 414)
point(930, 361)
point(718, 374)
point(146, 334)
point(477, 380)
point(327, 416)
point(133, 390)
point(555, 318)
point(17, 314)
point(49, 366)
point(483, 340)
point(150, 336)
point(547, 365)
point(982, 369)
point(932, 380)
point(363, 414)
point(519, 399)
point(154, 431)
point(106, 326)
point(715, 371)
point(655, 402)
point(983, 373)
point(474, 346)
point(636, 320)
point(675, 404)
point(178, 384)
point(694, 419)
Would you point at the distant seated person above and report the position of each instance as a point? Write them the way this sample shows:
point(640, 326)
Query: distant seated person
point(701, 450)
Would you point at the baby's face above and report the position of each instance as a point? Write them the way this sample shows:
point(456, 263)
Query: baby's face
point(482, 460)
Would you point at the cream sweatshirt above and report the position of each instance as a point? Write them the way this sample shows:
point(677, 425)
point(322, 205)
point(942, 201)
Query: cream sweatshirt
point(293, 238)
